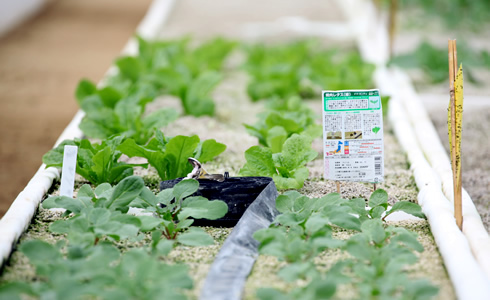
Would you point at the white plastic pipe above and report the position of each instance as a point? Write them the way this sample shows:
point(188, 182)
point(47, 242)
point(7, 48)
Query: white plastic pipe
point(19, 215)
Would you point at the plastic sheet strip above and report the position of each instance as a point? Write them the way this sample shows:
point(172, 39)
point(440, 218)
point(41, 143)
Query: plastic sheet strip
point(231, 267)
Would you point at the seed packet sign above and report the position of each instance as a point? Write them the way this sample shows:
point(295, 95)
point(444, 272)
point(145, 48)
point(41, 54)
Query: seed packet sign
point(353, 135)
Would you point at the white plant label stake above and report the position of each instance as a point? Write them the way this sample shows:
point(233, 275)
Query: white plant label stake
point(353, 148)
point(68, 170)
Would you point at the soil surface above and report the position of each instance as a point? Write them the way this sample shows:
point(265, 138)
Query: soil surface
point(41, 63)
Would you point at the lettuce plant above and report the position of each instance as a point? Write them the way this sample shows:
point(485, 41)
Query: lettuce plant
point(169, 156)
point(177, 211)
point(98, 213)
point(97, 163)
point(101, 272)
point(301, 68)
point(281, 121)
point(286, 168)
point(379, 254)
point(110, 112)
point(173, 67)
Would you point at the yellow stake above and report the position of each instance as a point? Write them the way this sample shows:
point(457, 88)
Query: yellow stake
point(455, 118)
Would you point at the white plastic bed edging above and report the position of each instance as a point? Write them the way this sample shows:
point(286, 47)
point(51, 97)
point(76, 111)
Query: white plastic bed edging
point(468, 278)
point(435, 153)
point(19, 215)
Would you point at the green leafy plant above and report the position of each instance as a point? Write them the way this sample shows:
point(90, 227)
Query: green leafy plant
point(98, 213)
point(279, 70)
point(432, 61)
point(169, 156)
point(175, 68)
point(100, 272)
point(281, 121)
point(97, 163)
point(459, 14)
point(301, 68)
point(177, 211)
point(110, 112)
point(379, 255)
point(378, 207)
point(286, 168)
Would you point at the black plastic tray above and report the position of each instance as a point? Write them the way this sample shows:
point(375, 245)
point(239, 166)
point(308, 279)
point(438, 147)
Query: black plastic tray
point(237, 192)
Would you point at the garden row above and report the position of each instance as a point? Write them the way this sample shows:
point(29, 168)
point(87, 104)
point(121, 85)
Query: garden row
point(114, 254)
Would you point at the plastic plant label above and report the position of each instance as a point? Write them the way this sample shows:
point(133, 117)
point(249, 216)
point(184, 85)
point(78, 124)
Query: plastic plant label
point(353, 135)
point(68, 171)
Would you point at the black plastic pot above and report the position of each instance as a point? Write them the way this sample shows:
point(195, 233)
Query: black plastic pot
point(238, 192)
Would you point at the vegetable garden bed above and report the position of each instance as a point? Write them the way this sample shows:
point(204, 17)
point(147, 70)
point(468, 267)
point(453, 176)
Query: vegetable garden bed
point(328, 234)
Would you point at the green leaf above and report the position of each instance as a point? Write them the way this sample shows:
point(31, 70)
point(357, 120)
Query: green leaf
point(285, 202)
point(289, 219)
point(271, 294)
point(149, 223)
point(197, 101)
point(14, 290)
point(60, 226)
point(377, 212)
point(195, 237)
point(259, 162)
point(407, 207)
point(54, 157)
point(209, 150)
point(130, 67)
point(185, 188)
point(159, 118)
point(276, 136)
point(40, 252)
point(125, 192)
point(374, 229)
point(315, 223)
point(70, 204)
point(340, 216)
point(99, 216)
point(84, 89)
point(109, 96)
point(164, 247)
point(178, 150)
point(297, 152)
point(378, 197)
point(201, 208)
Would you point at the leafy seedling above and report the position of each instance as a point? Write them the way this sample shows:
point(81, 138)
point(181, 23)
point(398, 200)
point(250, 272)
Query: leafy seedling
point(276, 126)
point(177, 210)
point(110, 112)
point(97, 163)
point(98, 213)
point(286, 168)
point(169, 156)
point(100, 272)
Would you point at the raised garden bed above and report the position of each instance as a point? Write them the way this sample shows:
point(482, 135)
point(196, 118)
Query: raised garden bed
point(232, 108)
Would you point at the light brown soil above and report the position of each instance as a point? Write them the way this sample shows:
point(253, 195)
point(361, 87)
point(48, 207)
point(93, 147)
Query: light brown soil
point(41, 63)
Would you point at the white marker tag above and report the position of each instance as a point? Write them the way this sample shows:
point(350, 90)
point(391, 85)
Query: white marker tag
point(68, 171)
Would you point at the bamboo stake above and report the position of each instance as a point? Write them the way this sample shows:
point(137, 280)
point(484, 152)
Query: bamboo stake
point(337, 183)
point(455, 159)
point(374, 186)
point(392, 24)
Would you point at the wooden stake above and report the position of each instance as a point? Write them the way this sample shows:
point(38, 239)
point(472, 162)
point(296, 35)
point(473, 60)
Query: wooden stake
point(453, 69)
point(392, 24)
point(338, 186)
point(374, 186)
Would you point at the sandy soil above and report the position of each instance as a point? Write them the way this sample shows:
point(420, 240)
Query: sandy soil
point(41, 63)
